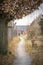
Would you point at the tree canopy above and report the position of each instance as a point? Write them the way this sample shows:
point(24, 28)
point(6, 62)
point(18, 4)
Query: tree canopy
point(10, 9)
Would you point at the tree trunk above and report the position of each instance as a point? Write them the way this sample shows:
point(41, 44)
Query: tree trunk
point(3, 38)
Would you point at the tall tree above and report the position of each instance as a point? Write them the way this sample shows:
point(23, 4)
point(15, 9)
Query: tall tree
point(12, 9)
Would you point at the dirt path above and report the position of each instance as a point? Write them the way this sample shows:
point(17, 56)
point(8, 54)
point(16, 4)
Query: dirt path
point(21, 56)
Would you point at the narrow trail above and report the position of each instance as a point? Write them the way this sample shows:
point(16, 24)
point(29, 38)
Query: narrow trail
point(22, 58)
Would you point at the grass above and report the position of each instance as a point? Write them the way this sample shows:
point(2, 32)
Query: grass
point(10, 57)
point(35, 53)
point(12, 44)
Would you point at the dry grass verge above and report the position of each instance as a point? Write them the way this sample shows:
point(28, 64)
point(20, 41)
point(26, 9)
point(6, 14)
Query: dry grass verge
point(10, 57)
point(12, 44)
point(35, 53)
